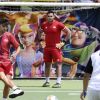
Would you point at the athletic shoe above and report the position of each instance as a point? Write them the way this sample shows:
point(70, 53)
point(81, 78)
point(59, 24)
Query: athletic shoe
point(16, 92)
point(46, 84)
point(57, 85)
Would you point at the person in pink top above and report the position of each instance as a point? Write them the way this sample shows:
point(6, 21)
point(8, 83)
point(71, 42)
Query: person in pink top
point(6, 69)
point(52, 51)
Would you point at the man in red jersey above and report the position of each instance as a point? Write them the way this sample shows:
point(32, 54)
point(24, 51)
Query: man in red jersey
point(6, 69)
point(52, 51)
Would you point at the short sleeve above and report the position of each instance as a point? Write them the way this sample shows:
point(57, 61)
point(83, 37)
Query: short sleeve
point(61, 26)
point(89, 67)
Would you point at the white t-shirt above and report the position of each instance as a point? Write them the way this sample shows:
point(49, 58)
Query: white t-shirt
point(94, 82)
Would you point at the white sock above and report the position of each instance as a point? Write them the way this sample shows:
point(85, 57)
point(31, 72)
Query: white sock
point(58, 80)
point(4, 98)
point(47, 79)
point(15, 87)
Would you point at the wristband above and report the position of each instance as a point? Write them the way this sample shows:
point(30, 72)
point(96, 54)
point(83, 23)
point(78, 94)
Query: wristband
point(84, 93)
point(63, 42)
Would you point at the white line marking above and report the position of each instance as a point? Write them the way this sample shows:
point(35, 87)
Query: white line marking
point(73, 93)
point(54, 91)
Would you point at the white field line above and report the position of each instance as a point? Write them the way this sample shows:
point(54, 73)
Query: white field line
point(29, 91)
point(70, 93)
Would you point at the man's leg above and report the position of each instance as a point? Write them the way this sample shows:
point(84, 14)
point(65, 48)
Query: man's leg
point(5, 92)
point(47, 73)
point(59, 75)
point(9, 83)
point(6, 80)
point(6, 89)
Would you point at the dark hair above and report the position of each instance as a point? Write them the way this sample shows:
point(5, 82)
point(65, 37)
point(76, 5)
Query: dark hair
point(50, 11)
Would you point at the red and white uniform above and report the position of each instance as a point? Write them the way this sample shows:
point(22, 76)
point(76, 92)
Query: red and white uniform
point(7, 40)
point(52, 32)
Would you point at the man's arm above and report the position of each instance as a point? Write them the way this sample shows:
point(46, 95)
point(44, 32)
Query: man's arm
point(85, 81)
point(66, 31)
point(15, 44)
point(88, 72)
point(85, 85)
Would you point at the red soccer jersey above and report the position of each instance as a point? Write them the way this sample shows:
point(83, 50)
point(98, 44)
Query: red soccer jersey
point(6, 41)
point(53, 32)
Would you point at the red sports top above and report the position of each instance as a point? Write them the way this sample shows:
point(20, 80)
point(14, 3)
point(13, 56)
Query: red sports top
point(6, 41)
point(53, 33)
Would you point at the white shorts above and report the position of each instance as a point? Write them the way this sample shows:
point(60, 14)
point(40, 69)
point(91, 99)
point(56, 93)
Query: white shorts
point(93, 94)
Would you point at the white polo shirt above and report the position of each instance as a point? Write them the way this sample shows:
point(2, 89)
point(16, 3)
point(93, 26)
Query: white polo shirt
point(94, 82)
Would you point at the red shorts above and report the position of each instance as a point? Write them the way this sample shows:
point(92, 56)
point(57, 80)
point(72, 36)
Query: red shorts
point(52, 54)
point(6, 66)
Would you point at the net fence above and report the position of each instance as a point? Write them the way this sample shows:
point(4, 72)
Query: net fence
point(24, 6)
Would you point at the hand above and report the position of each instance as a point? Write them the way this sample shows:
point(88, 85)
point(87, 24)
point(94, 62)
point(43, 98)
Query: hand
point(83, 94)
point(59, 45)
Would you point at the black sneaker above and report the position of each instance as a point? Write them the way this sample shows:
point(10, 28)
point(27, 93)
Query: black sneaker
point(16, 92)
point(57, 85)
point(46, 84)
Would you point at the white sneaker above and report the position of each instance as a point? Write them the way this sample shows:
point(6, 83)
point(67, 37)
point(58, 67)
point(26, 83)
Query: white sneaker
point(16, 92)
